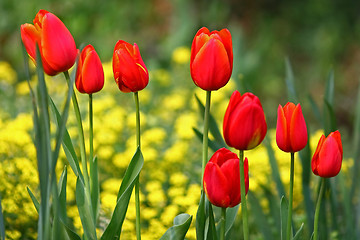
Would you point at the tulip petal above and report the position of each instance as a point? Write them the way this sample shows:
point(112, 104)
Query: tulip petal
point(92, 73)
point(216, 185)
point(315, 158)
point(281, 131)
point(330, 158)
point(211, 66)
point(230, 169)
point(30, 36)
point(298, 131)
point(227, 41)
point(57, 44)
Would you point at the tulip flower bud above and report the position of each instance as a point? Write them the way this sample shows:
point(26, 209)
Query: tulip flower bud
point(211, 59)
point(130, 72)
point(90, 74)
point(244, 124)
point(222, 179)
point(291, 132)
point(56, 44)
point(327, 158)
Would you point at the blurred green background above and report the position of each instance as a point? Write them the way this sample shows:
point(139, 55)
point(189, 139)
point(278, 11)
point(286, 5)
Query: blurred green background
point(316, 36)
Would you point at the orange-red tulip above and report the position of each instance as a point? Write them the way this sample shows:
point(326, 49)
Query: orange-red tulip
point(130, 72)
point(244, 124)
point(222, 179)
point(90, 74)
point(327, 158)
point(291, 132)
point(211, 59)
point(57, 46)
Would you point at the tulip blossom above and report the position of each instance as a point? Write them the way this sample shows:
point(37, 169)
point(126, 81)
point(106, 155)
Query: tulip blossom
point(56, 44)
point(327, 158)
point(211, 61)
point(222, 179)
point(90, 73)
point(130, 72)
point(244, 124)
point(291, 132)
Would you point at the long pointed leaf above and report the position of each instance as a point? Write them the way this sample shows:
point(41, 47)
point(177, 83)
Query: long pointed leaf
point(298, 233)
point(113, 230)
point(212, 144)
point(83, 203)
point(178, 231)
point(290, 81)
point(44, 157)
point(274, 167)
point(67, 144)
point(201, 218)
point(283, 216)
point(231, 214)
point(213, 127)
point(34, 200)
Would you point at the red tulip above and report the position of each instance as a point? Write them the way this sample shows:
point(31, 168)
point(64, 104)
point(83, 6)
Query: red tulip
point(327, 158)
point(211, 59)
point(90, 73)
point(56, 44)
point(222, 179)
point(244, 122)
point(291, 132)
point(130, 72)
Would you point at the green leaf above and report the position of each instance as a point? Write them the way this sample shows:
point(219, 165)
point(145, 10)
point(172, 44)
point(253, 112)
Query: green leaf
point(83, 203)
point(290, 81)
point(231, 214)
point(67, 144)
point(261, 219)
point(201, 218)
point(62, 194)
point(329, 115)
point(213, 127)
point(113, 230)
point(210, 222)
point(2, 223)
point(43, 148)
point(274, 167)
point(70, 233)
point(283, 216)
point(298, 233)
point(181, 226)
point(34, 200)
point(315, 109)
point(356, 155)
point(212, 144)
point(61, 123)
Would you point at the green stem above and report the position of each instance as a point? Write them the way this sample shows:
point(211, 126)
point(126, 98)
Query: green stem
point(205, 136)
point(243, 197)
point(94, 179)
point(289, 218)
point(91, 152)
point(317, 211)
point(81, 134)
point(137, 182)
point(223, 224)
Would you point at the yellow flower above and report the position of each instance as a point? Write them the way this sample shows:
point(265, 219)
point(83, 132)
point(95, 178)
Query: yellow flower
point(181, 55)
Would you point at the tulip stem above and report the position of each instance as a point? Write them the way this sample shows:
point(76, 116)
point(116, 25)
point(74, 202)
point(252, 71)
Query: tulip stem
point(317, 211)
point(137, 182)
point(289, 219)
point(205, 136)
point(81, 134)
point(243, 197)
point(223, 223)
point(94, 186)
